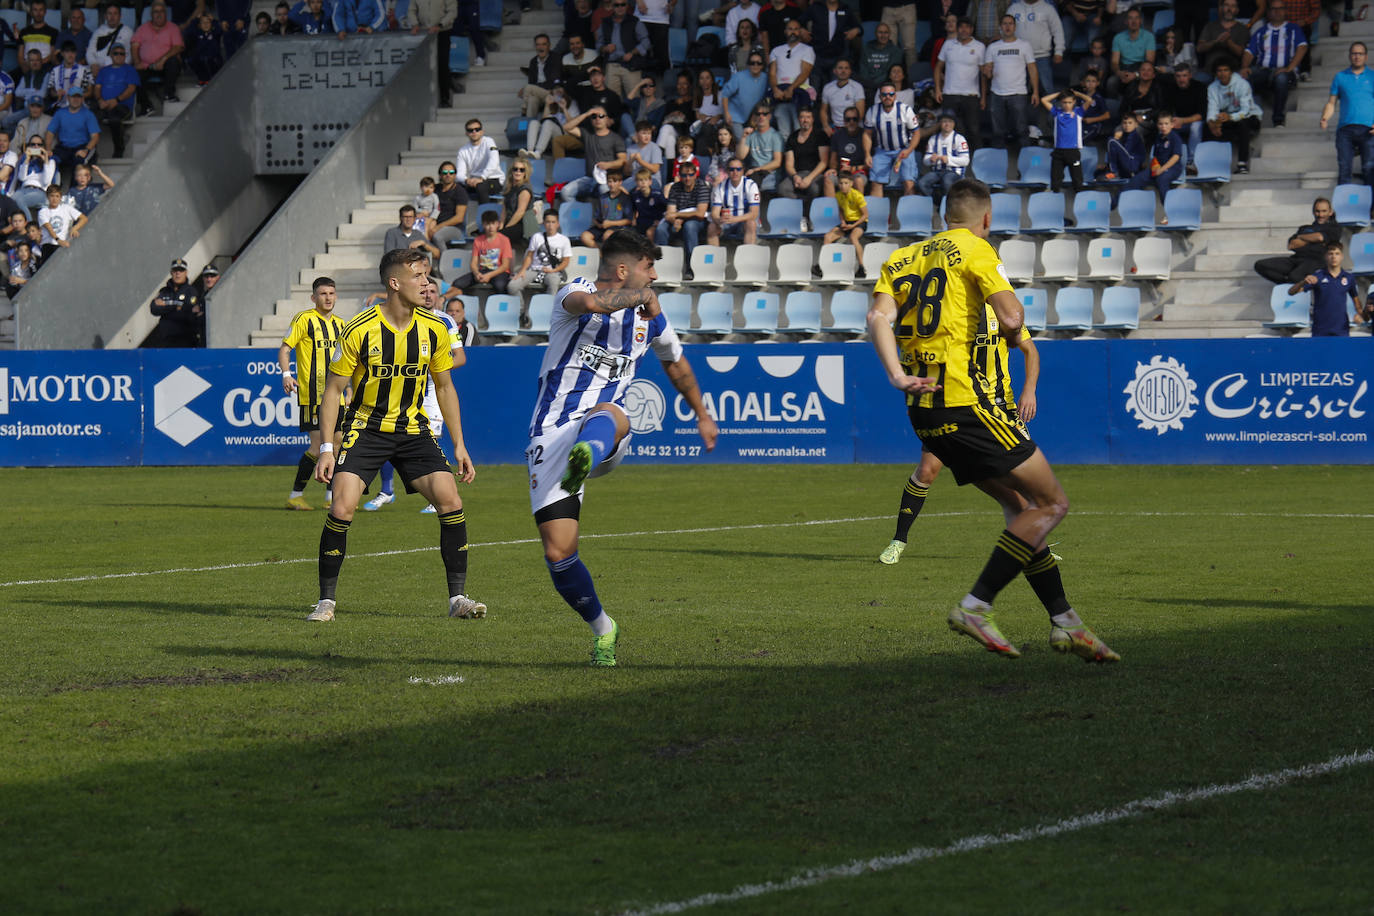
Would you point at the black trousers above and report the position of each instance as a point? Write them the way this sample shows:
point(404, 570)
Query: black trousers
point(1073, 160)
point(1288, 269)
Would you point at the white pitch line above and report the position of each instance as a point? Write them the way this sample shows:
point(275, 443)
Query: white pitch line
point(442, 680)
point(812, 877)
point(667, 531)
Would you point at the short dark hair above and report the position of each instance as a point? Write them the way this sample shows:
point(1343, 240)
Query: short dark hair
point(406, 208)
point(617, 174)
point(966, 198)
point(628, 244)
point(1333, 246)
point(964, 20)
point(1163, 113)
point(321, 281)
point(1093, 72)
point(545, 36)
point(644, 125)
point(490, 216)
point(397, 258)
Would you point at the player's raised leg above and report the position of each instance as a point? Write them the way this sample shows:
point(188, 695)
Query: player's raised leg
point(913, 501)
point(602, 429)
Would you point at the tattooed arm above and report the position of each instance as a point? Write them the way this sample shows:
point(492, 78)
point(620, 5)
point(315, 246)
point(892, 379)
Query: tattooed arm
point(609, 301)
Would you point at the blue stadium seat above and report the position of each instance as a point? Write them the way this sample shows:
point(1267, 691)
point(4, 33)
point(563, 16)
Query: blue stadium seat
point(760, 313)
point(1120, 308)
point(537, 177)
point(677, 307)
point(1046, 211)
point(990, 167)
point(1033, 164)
point(1006, 214)
point(1352, 203)
point(1162, 20)
point(574, 218)
point(516, 131)
point(913, 216)
point(803, 310)
point(1137, 211)
point(455, 263)
point(490, 16)
point(458, 56)
point(566, 170)
point(870, 27)
point(1213, 161)
point(825, 215)
point(1183, 210)
point(784, 219)
point(128, 16)
point(715, 30)
point(503, 315)
point(716, 312)
point(1289, 311)
point(677, 46)
point(541, 314)
point(1092, 211)
point(1035, 303)
point(1362, 254)
point(849, 312)
point(1073, 308)
point(1088, 161)
point(879, 216)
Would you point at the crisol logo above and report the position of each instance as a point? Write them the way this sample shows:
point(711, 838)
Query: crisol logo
point(645, 406)
point(171, 416)
point(1161, 397)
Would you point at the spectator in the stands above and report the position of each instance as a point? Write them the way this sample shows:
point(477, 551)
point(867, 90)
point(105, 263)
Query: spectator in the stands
point(37, 35)
point(468, 24)
point(157, 50)
point(655, 15)
point(648, 202)
point(1097, 117)
point(839, 94)
point(900, 17)
point(745, 11)
point(1125, 150)
point(361, 16)
point(558, 110)
point(457, 310)
point(313, 17)
point(643, 104)
point(746, 42)
point(906, 93)
point(710, 109)
point(689, 206)
point(73, 134)
point(1306, 247)
point(546, 256)
point(426, 205)
point(610, 211)
point(1130, 48)
point(281, 21)
point(851, 150)
point(85, 193)
point(986, 16)
point(36, 172)
point(1095, 59)
point(678, 114)
point(113, 94)
point(1353, 88)
point(760, 147)
point(407, 235)
point(234, 17)
point(1173, 52)
point(61, 222)
point(6, 94)
point(643, 153)
point(111, 32)
point(491, 257)
point(1081, 19)
point(805, 155)
point(853, 210)
point(1187, 98)
point(959, 81)
point(479, 164)
point(1144, 95)
point(9, 163)
point(204, 55)
point(789, 74)
point(1233, 114)
point(518, 217)
point(207, 281)
point(930, 51)
point(1304, 14)
point(543, 73)
point(436, 18)
point(896, 134)
point(598, 95)
point(65, 77)
point(773, 20)
point(833, 26)
point(1271, 59)
point(1037, 21)
point(1331, 286)
point(734, 207)
point(877, 58)
point(1224, 39)
point(686, 152)
point(262, 25)
point(21, 268)
point(946, 159)
point(181, 312)
point(34, 124)
point(624, 44)
point(718, 155)
point(577, 20)
point(742, 94)
point(604, 149)
point(77, 33)
point(16, 230)
point(1013, 78)
point(449, 229)
point(1167, 158)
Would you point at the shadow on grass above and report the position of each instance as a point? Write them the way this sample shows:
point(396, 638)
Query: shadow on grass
point(1277, 604)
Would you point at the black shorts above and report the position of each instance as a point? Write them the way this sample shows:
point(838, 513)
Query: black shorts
point(310, 418)
point(972, 442)
point(413, 455)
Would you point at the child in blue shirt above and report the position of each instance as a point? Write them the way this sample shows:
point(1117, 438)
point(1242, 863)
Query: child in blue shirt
point(1126, 150)
point(1330, 288)
point(648, 202)
point(1167, 160)
point(1066, 118)
point(1096, 116)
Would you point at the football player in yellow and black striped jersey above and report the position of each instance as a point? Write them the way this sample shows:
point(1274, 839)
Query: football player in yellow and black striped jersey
point(312, 336)
point(389, 353)
point(942, 309)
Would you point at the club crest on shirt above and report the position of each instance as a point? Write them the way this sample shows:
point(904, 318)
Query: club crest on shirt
point(640, 334)
point(424, 349)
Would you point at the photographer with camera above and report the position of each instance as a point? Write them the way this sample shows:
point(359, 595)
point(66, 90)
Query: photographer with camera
point(37, 171)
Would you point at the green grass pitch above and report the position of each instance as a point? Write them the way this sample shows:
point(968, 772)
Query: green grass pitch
point(180, 740)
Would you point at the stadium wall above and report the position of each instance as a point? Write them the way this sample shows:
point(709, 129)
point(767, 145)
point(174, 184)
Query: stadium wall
point(1275, 401)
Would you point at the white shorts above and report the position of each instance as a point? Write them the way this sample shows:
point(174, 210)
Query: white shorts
point(547, 458)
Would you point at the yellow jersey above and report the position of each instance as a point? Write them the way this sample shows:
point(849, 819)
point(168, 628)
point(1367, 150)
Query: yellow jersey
point(994, 360)
point(312, 336)
point(945, 329)
point(390, 369)
point(852, 205)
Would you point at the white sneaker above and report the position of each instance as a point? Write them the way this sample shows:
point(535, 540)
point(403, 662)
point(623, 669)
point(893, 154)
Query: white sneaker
point(527, 153)
point(805, 225)
point(324, 610)
point(480, 62)
point(427, 510)
point(381, 499)
point(462, 606)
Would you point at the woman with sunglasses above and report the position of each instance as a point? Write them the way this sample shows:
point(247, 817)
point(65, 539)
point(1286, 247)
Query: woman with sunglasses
point(746, 42)
point(518, 219)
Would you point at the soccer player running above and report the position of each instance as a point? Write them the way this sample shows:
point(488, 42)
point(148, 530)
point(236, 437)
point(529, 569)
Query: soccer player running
point(389, 352)
point(312, 335)
point(936, 336)
point(599, 332)
point(919, 484)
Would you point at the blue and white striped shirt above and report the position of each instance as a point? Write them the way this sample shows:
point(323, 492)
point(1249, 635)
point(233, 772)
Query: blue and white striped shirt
point(591, 359)
point(736, 200)
point(953, 146)
point(892, 130)
point(1275, 46)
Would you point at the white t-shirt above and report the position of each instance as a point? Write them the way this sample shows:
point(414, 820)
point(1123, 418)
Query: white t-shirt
point(62, 218)
point(655, 11)
point(559, 245)
point(963, 64)
point(841, 97)
point(1009, 60)
point(10, 159)
point(732, 20)
point(789, 60)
